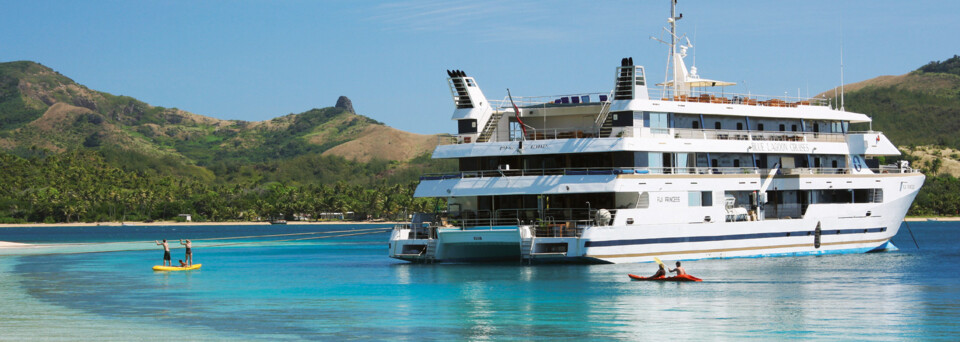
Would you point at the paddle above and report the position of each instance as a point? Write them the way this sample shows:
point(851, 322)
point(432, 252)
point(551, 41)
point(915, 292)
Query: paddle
point(658, 261)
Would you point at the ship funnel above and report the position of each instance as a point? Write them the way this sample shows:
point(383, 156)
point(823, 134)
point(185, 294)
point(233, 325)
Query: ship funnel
point(630, 84)
point(472, 109)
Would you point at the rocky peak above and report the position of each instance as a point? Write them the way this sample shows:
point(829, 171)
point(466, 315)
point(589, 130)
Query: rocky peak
point(344, 103)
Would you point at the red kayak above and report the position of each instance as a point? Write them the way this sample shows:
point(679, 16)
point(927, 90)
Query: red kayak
point(685, 277)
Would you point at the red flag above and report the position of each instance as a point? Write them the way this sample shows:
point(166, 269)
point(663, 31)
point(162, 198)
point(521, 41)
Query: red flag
point(517, 113)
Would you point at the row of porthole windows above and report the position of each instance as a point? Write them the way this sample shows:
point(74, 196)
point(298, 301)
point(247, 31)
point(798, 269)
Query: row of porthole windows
point(783, 127)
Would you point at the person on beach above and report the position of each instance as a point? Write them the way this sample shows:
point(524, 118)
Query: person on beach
point(662, 272)
point(680, 271)
point(189, 251)
point(166, 252)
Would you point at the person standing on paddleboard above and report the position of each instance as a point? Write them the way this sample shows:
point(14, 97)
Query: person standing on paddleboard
point(166, 252)
point(189, 251)
point(680, 271)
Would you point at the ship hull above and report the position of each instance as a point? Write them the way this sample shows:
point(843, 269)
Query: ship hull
point(824, 229)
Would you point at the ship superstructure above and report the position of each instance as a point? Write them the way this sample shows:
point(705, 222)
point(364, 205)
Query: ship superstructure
point(674, 170)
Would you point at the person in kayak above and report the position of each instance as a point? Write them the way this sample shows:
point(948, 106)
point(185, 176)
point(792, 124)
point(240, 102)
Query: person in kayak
point(680, 271)
point(166, 252)
point(662, 272)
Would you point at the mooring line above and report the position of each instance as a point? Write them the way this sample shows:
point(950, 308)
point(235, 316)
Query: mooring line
point(911, 234)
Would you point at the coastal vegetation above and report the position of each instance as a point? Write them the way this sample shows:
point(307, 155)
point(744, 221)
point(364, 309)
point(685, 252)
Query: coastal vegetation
point(80, 186)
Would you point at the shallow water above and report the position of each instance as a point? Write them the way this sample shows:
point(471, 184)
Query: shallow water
point(347, 288)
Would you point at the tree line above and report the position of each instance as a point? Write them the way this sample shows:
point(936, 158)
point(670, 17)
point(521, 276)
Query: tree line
point(80, 186)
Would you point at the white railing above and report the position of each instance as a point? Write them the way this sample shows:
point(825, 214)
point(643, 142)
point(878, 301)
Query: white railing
point(700, 170)
point(720, 134)
point(550, 100)
point(735, 98)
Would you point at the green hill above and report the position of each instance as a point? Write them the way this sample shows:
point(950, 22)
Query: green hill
point(42, 112)
point(918, 108)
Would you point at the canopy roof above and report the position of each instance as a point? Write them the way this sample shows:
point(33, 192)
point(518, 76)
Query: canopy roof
point(700, 82)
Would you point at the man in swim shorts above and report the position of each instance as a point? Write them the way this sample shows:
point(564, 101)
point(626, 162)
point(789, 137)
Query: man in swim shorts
point(189, 255)
point(166, 252)
point(679, 269)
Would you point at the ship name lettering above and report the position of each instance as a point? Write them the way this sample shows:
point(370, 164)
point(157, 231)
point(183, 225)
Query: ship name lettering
point(779, 147)
point(672, 199)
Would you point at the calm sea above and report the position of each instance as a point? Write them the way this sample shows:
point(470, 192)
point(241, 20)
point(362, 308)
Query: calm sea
point(346, 288)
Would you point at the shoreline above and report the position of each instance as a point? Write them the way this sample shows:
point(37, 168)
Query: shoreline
point(264, 223)
point(933, 218)
point(172, 223)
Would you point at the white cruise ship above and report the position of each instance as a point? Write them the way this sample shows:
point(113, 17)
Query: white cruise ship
point(675, 170)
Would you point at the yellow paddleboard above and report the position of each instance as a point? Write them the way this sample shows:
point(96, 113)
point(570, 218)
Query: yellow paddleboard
point(177, 268)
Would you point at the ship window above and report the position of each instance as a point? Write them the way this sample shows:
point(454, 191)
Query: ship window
point(759, 127)
point(783, 127)
point(867, 195)
point(706, 197)
point(700, 198)
point(716, 125)
point(659, 123)
point(695, 125)
point(834, 163)
point(693, 198)
point(643, 201)
point(736, 163)
point(793, 128)
point(739, 126)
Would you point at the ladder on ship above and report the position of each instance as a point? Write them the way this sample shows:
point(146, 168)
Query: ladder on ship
point(526, 249)
point(604, 120)
point(430, 255)
point(490, 127)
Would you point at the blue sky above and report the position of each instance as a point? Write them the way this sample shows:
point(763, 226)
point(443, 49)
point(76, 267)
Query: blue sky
point(255, 60)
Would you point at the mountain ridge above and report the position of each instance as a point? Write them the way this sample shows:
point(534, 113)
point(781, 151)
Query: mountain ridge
point(42, 111)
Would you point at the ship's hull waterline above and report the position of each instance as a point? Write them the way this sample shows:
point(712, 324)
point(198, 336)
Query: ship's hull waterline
point(843, 228)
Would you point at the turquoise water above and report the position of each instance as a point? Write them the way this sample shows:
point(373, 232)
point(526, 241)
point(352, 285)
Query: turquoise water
point(347, 288)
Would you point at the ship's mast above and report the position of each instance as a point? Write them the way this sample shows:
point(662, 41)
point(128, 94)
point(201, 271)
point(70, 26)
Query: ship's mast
point(673, 42)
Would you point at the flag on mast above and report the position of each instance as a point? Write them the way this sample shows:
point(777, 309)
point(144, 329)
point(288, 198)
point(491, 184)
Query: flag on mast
point(517, 113)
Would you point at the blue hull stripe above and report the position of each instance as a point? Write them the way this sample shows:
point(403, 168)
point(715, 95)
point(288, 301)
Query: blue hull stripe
point(728, 237)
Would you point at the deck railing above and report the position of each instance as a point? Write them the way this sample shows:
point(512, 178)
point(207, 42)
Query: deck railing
point(608, 171)
point(723, 97)
point(725, 134)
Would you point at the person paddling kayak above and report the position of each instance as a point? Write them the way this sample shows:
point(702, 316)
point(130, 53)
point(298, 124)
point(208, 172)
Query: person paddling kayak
point(679, 269)
point(662, 272)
